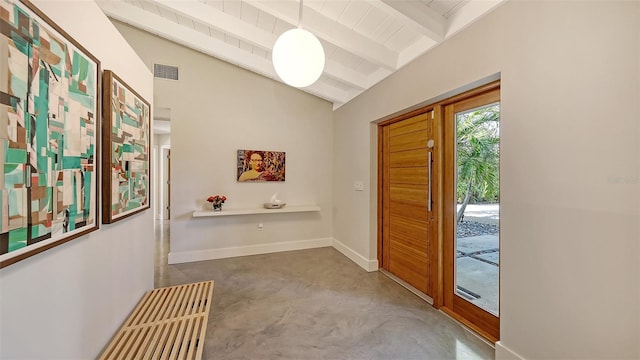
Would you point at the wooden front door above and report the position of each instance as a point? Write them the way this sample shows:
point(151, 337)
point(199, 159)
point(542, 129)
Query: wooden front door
point(405, 157)
point(417, 206)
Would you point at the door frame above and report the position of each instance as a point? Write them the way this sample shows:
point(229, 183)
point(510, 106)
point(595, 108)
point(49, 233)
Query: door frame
point(165, 183)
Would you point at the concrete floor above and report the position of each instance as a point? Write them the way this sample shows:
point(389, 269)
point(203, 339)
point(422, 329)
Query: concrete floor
point(315, 304)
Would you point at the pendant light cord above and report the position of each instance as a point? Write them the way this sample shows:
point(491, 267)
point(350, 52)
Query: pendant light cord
point(300, 16)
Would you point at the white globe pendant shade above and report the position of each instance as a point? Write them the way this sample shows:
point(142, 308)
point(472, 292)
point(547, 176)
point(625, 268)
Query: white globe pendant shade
point(298, 57)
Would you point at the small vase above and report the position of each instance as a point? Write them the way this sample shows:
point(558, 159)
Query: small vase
point(217, 207)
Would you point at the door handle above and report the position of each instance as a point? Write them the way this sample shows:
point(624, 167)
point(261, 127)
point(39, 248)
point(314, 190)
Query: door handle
point(429, 190)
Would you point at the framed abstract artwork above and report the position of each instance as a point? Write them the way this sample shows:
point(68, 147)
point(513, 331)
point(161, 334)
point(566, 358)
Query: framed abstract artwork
point(260, 165)
point(126, 145)
point(49, 126)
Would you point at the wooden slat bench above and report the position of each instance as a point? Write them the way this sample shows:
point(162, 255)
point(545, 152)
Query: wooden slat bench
point(167, 323)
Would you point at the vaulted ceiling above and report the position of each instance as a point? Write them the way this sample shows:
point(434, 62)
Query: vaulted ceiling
point(364, 40)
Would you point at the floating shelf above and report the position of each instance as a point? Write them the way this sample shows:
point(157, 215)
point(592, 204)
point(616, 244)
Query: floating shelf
point(251, 211)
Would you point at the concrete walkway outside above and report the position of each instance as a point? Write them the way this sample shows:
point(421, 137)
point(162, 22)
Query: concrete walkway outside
point(477, 264)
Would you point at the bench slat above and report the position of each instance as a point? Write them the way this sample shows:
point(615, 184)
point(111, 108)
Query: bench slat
point(151, 349)
point(178, 309)
point(137, 346)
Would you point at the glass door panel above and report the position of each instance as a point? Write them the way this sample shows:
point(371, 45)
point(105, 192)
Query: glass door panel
point(478, 208)
point(471, 211)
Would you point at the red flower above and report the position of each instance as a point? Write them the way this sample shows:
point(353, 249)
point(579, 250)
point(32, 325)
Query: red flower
point(217, 199)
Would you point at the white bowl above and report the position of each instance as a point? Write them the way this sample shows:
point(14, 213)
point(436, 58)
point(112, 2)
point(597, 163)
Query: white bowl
point(274, 206)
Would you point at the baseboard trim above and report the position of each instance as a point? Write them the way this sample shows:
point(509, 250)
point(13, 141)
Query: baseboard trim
point(504, 353)
point(368, 265)
point(211, 254)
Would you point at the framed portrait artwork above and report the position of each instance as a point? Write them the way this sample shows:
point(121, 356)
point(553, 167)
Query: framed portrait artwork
point(49, 126)
point(260, 165)
point(126, 150)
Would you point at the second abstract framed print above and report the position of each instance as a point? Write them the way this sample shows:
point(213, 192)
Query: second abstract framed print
point(126, 150)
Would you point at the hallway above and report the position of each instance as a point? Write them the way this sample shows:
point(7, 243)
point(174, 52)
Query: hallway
point(315, 304)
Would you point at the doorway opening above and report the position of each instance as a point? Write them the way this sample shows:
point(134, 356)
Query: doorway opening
point(162, 189)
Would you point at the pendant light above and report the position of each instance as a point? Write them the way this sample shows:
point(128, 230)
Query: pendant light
point(298, 57)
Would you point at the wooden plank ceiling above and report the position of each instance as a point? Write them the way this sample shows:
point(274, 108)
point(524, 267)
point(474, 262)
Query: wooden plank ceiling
point(364, 40)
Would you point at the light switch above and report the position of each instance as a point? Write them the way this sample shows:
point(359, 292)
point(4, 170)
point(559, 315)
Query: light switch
point(358, 186)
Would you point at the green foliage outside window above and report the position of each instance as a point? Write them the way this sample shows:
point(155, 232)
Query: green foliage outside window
point(478, 155)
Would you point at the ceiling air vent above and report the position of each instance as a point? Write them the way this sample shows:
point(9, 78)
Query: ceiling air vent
point(165, 71)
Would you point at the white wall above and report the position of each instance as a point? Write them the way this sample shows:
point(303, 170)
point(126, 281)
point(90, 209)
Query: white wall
point(67, 302)
point(570, 178)
point(216, 109)
point(163, 140)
